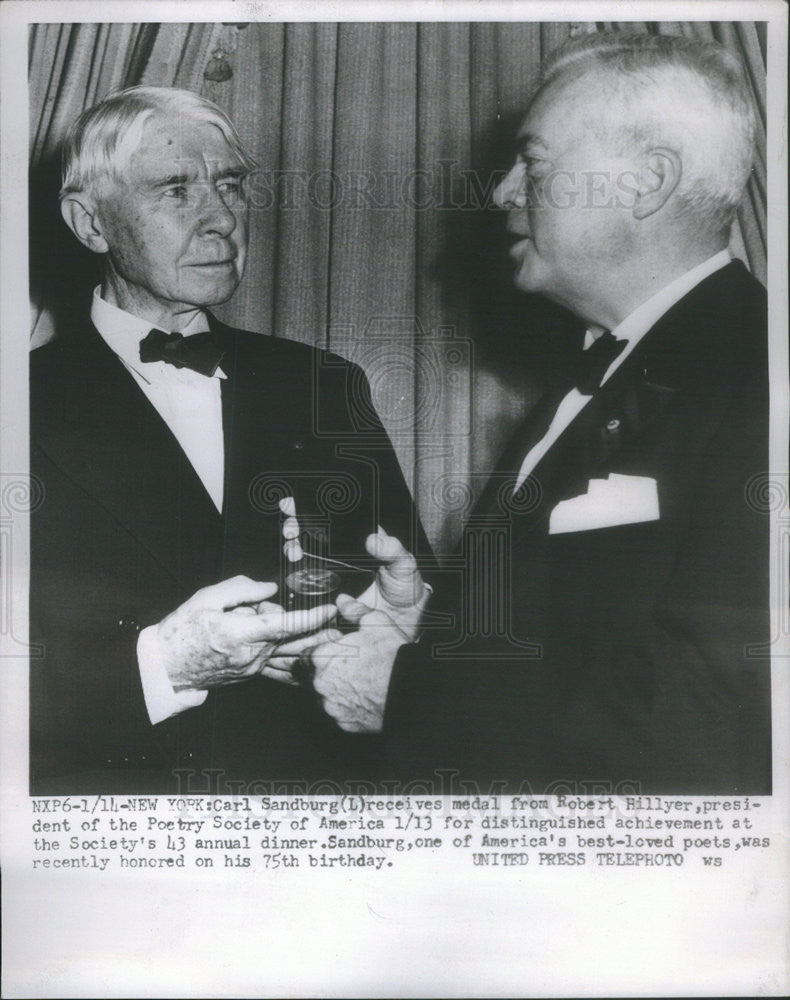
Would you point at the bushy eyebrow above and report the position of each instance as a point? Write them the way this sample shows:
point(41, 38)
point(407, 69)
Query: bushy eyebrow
point(235, 171)
point(185, 177)
point(169, 180)
point(528, 142)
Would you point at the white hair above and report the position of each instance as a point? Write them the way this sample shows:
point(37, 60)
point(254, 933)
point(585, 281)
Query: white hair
point(99, 143)
point(666, 90)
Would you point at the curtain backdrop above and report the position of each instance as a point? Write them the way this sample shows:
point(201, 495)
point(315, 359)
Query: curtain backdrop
point(372, 233)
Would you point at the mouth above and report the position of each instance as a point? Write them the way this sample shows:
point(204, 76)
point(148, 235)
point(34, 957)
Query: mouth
point(220, 257)
point(520, 247)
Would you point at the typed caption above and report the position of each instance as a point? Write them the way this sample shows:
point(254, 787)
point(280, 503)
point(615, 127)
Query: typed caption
point(266, 833)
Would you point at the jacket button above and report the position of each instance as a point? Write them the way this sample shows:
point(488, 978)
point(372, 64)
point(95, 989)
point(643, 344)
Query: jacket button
point(129, 626)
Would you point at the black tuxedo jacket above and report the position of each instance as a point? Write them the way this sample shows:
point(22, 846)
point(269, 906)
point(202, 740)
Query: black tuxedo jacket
point(623, 657)
point(127, 532)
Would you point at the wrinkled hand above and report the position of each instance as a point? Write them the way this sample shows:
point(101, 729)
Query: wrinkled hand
point(398, 594)
point(398, 590)
point(224, 633)
point(352, 672)
point(285, 657)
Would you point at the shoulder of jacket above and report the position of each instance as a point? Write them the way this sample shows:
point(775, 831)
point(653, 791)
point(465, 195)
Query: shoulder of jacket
point(290, 351)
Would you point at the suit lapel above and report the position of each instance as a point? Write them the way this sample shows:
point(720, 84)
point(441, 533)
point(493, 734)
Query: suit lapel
point(674, 355)
point(495, 497)
point(254, 448)
point(107, 436)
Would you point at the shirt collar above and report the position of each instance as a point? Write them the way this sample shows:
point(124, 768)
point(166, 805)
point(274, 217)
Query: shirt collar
point(645, 316)
point(122, 332)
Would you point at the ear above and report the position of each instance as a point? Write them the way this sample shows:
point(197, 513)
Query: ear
point(80, 215)
point(659, 176)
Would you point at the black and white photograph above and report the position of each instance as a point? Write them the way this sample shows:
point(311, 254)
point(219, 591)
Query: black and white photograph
point(395, 412)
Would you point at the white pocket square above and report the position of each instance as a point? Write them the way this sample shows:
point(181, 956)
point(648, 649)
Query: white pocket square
point(607, 503)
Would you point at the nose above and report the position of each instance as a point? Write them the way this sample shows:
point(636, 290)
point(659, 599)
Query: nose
point(217, 216)
point(512, 191)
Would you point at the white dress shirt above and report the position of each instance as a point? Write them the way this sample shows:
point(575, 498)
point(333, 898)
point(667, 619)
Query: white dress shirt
point(632, 329)
point(189, 403)
point(191, 406)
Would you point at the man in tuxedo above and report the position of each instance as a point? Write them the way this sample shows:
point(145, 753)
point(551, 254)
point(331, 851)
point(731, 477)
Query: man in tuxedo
point(613, 618)
point(166, 445)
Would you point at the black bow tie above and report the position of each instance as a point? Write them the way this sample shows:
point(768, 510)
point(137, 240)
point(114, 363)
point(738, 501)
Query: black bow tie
point(587, 368)
point(201, 352)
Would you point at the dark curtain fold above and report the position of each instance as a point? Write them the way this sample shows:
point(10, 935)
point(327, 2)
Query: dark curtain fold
point(378, 146)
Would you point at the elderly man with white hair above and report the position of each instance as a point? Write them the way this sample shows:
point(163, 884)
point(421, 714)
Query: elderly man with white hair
point(165, 444)
point(614, 616)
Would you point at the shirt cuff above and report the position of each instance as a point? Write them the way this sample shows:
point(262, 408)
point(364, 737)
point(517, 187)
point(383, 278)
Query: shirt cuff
point(161, 699)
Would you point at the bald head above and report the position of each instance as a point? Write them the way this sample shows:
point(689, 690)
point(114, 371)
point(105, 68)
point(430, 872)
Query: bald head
point(634, 155)
point(642, 92)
